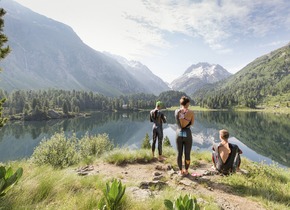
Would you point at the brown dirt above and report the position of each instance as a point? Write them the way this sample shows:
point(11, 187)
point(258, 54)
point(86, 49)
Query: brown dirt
point(222, 195)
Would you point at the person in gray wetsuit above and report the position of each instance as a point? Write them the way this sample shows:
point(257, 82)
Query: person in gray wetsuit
point(184, 119)
point(158, 118)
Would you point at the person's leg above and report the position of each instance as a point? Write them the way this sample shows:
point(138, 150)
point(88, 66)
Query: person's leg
point(179, 146)
point(154, 141)
point(187, 150)
point(238, 162)
point(160, 139)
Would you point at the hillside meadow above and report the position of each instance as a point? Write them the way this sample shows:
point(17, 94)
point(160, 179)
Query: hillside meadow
point(69, 173)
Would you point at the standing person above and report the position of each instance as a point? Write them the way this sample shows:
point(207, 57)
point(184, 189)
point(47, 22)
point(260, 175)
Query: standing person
point(226, 156)
point(184, 119)
point(158, 118)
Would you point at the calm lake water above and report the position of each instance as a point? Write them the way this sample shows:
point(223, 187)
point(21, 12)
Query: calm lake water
point(261, 136)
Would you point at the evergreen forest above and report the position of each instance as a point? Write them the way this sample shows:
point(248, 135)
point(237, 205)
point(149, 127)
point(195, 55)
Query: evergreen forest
point(36, 105)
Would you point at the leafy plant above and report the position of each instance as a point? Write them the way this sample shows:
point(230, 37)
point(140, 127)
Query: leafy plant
point(146, 142)
point(8, 179)
point(166, 142)
point(95, 145)
point(113, 194)
point(58, 151)
point(182, 203)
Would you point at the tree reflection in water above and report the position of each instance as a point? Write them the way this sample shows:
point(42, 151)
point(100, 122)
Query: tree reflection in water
point(266, 134)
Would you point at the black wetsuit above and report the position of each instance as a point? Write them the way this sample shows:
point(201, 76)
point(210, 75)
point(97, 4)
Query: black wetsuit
point(183, 141)
point(158, 118)
point(232, 162)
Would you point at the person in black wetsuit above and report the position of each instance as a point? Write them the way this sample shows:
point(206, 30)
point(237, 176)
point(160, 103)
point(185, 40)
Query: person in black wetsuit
point(184, 119)
point(158, 118)
point(226, 156)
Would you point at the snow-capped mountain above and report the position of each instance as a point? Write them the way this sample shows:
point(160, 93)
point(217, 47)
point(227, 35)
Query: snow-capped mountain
point(198, 75)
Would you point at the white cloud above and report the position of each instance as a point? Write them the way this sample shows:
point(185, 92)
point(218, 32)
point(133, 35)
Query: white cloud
point(214, 23)
point(136, 28)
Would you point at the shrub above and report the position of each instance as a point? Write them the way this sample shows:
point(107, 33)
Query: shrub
point(95, 145)
point(123, 156)
point(146, 142)
point(8, 179)
point(58, 151)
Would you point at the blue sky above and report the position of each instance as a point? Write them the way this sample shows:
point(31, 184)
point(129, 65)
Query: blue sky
point(170, 35)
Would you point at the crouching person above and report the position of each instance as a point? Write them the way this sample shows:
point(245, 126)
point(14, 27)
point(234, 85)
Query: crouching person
point(226, 156)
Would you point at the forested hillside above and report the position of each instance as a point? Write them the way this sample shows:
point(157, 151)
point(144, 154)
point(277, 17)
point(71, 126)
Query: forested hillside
point(265, 81)
point(36, 105)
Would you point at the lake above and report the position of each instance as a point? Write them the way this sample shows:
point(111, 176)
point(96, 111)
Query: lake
point(262, 136)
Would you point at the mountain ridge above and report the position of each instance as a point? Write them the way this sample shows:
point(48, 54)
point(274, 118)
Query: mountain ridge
point(49, 54)
point(142, 74)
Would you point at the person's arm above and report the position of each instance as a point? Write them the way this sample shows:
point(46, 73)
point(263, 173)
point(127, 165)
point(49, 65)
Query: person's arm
point(163, 117)
point(240, 151)
point(177, 118)
point(192, 118)
point(150, 116)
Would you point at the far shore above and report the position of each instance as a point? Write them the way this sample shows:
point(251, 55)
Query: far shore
point(275, 110)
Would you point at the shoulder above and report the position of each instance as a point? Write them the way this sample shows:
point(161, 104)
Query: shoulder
point(235, 147)
point(191, 112)
point(215, 146)
point(152, 112)
point(176, 112)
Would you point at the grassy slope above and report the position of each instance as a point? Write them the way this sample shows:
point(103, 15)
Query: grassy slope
point(43, 187)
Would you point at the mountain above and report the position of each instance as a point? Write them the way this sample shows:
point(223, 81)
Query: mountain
point(142, 74)
point(263, 81)
point(199, 75)
point(49, 54)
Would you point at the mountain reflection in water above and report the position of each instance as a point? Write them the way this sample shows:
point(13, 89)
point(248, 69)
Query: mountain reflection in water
point(261, 136)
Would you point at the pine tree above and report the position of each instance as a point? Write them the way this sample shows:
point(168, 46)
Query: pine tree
point(4, 50)
point(146, 142)
point(166, 142)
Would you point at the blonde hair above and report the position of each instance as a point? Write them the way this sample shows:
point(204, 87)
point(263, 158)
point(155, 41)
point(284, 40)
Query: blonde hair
point(224, 134)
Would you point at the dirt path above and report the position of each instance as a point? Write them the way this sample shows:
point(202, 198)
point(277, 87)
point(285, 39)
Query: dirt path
point(144, 175)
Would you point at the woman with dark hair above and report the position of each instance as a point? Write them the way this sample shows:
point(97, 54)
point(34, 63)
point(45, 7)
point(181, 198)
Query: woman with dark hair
point(184, 119)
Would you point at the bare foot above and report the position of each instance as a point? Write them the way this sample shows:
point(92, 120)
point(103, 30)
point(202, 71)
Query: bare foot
point(161, 158)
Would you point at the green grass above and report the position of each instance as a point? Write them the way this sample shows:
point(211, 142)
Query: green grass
point(45, 187)
point(122, 156)
point(268, 184)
